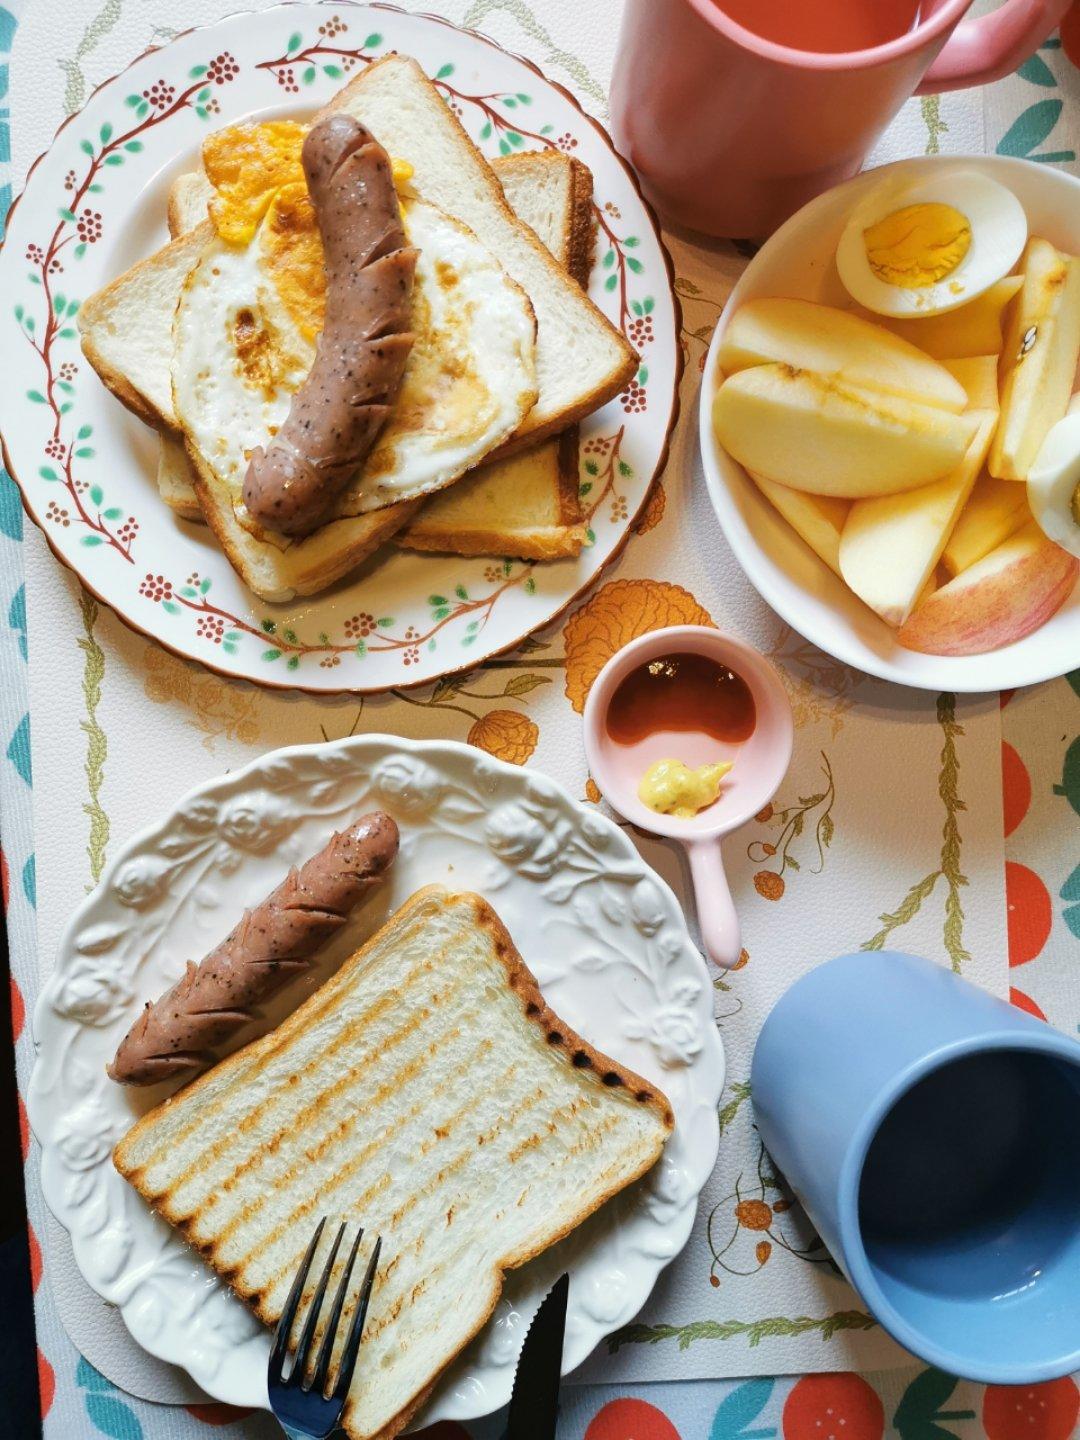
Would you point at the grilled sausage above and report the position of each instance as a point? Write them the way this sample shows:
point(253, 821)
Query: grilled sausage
point(340, 408)
point(178, 1033)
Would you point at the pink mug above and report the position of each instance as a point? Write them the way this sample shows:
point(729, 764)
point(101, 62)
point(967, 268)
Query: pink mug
point(732, 133)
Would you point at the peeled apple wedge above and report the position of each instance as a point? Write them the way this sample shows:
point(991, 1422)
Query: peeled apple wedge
point(1042, 347)
point(973, 329)
point(995, 510)
point(891, 545)
point(831, 438)
point(834, 343)
point(1003, 597)
point(817, 519)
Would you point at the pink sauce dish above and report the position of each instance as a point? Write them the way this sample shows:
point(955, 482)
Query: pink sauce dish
point(697, 695)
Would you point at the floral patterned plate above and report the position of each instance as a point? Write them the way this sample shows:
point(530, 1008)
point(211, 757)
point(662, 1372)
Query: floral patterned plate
point(95, 203)
point(605, 938)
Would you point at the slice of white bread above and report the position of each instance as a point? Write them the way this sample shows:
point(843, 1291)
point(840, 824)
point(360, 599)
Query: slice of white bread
point(126, 328)
point(127, 337)
point(526, 505)
point(582, 360)
point(427, 1093)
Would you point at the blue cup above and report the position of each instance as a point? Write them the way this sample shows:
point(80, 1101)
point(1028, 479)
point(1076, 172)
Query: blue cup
point(932, 1133)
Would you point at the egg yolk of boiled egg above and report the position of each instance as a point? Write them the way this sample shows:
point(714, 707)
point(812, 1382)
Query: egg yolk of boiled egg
point(257, 174)
point(918, 245)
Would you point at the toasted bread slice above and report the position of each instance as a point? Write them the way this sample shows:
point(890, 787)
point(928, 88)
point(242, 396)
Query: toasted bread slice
point(127, 327)
point(427, 1093)
point(526, 505)
point(189, 200)
point(582, 360)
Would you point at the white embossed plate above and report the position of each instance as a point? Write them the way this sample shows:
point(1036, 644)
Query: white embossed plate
point(603, 935)
point(95, 203)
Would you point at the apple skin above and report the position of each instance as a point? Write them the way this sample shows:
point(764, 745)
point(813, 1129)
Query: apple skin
point(1003, 597)
point(995, 510)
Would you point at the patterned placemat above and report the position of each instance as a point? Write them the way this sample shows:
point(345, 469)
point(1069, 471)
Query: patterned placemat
point(917, 861)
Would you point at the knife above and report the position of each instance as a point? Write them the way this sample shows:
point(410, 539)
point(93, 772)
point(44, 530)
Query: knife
point(534, 1402)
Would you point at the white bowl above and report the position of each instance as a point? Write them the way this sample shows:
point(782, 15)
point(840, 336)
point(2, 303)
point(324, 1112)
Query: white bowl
point(798, 261)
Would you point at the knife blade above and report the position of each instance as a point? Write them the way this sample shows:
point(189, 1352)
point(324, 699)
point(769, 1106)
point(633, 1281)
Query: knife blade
point(534, 1402)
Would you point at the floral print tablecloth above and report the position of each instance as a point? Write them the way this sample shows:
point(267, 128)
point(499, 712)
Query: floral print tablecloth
point(1034, 114)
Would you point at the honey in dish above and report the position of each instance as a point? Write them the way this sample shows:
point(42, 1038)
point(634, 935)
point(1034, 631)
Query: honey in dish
point(681, 691)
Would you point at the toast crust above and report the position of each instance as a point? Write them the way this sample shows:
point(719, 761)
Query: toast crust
point(567, 537)
point(98, 308)
point(593, 1066)
point(563, 540)
point(361, 536)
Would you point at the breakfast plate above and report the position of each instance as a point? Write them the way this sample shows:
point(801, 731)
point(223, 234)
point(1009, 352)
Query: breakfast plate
point(605, 938)
point(95, 203)
point(799, 262)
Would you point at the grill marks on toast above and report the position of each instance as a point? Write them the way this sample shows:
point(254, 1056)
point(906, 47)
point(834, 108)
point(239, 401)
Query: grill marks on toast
point(426, 1092)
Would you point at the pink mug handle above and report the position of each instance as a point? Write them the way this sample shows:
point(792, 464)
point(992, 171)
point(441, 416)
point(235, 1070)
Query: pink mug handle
point(986, 49)
point(717, 920)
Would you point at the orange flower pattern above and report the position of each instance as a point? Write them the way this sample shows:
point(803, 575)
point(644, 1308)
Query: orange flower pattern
point(619, 612)
point(653, 511)
point(506, 735)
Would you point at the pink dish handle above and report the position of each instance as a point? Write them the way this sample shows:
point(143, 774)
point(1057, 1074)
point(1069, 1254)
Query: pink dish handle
point(992, 46)
point(717, 920)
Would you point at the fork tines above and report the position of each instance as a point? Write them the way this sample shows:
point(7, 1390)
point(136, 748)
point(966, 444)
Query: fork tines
point(298, 1373)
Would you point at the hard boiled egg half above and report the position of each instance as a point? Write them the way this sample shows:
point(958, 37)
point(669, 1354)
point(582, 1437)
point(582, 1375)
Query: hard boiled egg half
point(921, 246)
point(1053, 484)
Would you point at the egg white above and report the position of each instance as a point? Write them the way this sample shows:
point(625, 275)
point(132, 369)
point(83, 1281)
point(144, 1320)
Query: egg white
point(998, 234)
point(1052, 483)
point(469, 318)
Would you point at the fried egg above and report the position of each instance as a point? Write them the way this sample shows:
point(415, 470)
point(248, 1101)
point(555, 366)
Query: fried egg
point(923, 246)
point(246, 328)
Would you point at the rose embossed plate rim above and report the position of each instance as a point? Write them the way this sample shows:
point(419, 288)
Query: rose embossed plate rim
point(94, 203)
point(603, 934)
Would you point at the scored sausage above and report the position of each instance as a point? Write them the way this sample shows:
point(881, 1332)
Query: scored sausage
point(178, 1033)
point(338, 411)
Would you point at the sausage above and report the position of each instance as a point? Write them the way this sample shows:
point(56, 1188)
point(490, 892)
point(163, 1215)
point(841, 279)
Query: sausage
point(338, 411)
point(178, 1033)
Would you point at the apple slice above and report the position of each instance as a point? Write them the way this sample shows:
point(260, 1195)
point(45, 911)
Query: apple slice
point(1003, 597)
point(834, 343)
point(891, 545)
point(973, 329)
point(831, 438)
point(978, 374)
point(1041, 350)
point(995, 510)
point(817, 519)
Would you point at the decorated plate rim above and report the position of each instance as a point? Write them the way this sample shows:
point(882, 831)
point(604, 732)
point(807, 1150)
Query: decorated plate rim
point(707, 1063)
point(630, 523)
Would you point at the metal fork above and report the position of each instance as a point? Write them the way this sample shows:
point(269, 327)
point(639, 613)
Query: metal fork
point(299, 1403)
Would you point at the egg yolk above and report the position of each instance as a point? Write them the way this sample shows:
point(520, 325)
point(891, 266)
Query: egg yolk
point(247, 165)
point(257, 174)
point(670, 787)
point(918, 245)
